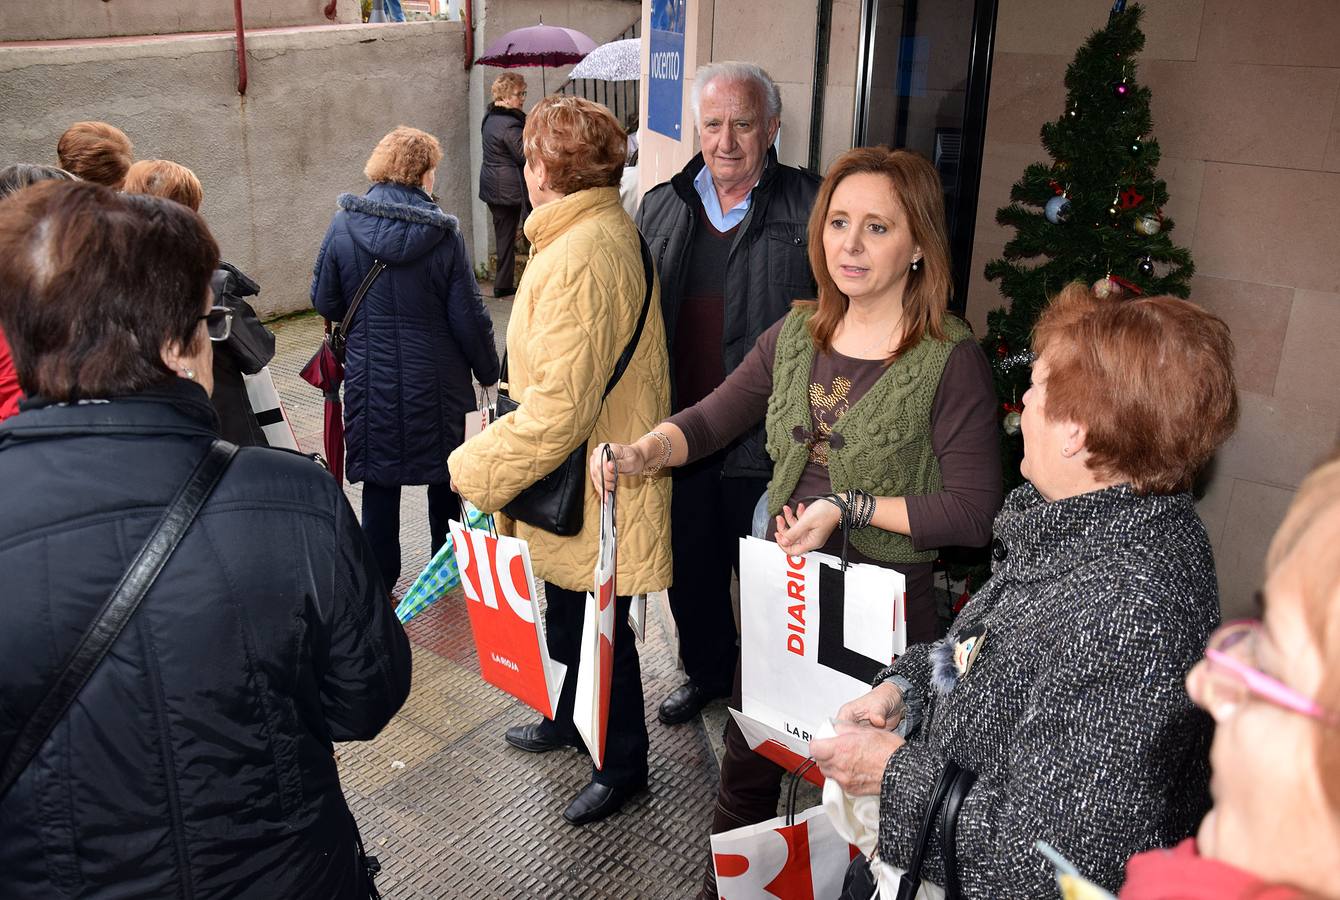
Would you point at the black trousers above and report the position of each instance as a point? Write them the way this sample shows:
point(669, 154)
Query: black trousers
point(381, 523)
point(709, 513)
point(625, 762)
point(505, 222)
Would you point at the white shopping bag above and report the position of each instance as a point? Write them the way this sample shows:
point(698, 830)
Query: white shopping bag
point(812, 637)
point(269, 410)
point(595, 665)
point(505, 617)
point(800, 860)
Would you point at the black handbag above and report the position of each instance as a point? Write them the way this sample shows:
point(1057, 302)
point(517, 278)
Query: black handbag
point(946, 800)
point(116, 611)
point(557, 501)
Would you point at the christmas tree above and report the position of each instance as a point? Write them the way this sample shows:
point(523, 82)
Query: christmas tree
point(1094, 214)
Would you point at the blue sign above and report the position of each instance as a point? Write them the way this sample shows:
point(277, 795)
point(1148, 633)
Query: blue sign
point(665, 78)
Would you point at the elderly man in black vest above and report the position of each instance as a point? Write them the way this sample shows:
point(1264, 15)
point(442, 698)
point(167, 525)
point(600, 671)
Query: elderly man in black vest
point(729, 237)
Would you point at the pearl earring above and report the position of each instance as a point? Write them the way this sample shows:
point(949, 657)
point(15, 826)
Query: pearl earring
point(916, 265)
point(188, 374)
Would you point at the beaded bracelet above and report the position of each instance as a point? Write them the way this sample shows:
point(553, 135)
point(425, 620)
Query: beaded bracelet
point(664, 440)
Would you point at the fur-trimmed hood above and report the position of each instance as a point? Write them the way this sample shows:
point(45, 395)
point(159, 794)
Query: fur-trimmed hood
point(396, 223)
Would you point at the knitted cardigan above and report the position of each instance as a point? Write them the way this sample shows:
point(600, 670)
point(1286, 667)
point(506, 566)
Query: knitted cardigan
point(882, 444)
point(1073, 713)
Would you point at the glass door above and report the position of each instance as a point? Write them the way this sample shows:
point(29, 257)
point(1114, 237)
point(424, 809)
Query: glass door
point(922, 83)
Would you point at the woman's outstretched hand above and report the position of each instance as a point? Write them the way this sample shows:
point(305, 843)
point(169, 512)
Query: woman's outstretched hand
point(808, 528)
point(604, 472)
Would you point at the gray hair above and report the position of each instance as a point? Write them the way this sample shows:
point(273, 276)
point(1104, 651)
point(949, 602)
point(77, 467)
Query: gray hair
point(747, 73)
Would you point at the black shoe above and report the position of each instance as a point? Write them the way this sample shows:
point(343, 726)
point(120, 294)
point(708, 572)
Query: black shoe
point(684, 702)
point(503, 295)
point(534, 739)
point(596, 801)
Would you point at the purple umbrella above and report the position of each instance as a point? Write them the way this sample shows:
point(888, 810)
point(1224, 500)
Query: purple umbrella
point(539, 45)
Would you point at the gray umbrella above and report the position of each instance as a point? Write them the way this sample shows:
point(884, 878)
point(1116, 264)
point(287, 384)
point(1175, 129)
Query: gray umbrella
point(615, 61)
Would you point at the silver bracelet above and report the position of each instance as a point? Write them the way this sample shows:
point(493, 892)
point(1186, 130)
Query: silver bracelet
point(665, 458)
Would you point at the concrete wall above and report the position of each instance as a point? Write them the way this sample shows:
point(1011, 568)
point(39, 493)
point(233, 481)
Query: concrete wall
point(1246, 110)
point(50, 20)
point(601, 20)
point(272, 162)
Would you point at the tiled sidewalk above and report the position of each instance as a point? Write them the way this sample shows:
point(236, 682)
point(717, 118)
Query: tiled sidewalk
point(452, 811)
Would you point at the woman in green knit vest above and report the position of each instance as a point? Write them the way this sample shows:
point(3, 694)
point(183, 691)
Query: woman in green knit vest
point(872, 393)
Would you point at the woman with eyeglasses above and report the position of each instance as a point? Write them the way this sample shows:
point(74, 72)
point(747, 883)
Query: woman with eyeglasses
point(1273, 688)
point(1060, 684)
point(242, 345)
point(197, 760)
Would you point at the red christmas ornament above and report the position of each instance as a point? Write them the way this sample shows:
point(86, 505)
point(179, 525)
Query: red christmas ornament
point(1126, 284)
point(1002, 350)
point(1131, 198)
point(1056, 187)
point(1012, 407)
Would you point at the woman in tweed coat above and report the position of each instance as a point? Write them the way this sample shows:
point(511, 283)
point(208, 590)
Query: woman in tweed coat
point(1070, 708)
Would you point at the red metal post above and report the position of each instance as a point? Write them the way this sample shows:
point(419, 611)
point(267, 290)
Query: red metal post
point(241, 49)
point(469, 34)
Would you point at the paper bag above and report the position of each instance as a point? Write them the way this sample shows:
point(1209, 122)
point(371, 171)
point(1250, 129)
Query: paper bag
point(590, 712)
point(803, 860)
point(505, 617)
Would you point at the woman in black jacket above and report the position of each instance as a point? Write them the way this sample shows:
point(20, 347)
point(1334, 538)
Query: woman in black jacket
point(419, 333)
point(501, 184)
point(198, 759)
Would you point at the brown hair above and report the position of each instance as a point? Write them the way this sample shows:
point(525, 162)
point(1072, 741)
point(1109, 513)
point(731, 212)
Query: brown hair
point(164, 178)
point(506, 85)
point(403, 157)
point(1151, 380)
point(96, 152)
point(1318, 502)
point(580, 143)
point(93, 284)
point(916, 188)
point(18, 176)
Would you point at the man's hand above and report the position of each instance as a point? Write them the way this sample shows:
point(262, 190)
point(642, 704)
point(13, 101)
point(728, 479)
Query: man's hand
point(808, 528)
point(882, 708)
point(856, 757)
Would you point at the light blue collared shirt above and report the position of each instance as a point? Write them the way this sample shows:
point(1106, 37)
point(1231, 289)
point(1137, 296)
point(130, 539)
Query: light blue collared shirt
point(712, 203)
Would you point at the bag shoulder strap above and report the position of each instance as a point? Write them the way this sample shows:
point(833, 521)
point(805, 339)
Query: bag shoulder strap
point(649, 273)
point(377, 266)
point(958, 792)
point(117, 610)
point(910, 882)
point(626, 357)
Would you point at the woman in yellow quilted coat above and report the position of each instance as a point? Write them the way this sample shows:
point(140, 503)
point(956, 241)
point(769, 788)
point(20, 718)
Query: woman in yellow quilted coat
point(576, 310)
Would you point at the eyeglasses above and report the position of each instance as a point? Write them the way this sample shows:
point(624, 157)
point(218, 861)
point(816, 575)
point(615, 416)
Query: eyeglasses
point(218, 322)
point(1231, 676)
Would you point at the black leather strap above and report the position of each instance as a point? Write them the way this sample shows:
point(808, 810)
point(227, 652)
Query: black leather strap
point(910, 882)
point(649, 273)
point(343, 328)
point(117, 610)
point(958, 792)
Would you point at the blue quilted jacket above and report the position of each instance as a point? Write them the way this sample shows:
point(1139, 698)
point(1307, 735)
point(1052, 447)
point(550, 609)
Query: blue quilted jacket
point(420, 332)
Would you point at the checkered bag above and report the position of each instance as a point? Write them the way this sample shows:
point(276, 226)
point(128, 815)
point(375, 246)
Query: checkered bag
point(441, 575)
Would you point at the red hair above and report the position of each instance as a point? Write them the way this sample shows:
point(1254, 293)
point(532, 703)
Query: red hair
point(1150, 379)
point(580, 143)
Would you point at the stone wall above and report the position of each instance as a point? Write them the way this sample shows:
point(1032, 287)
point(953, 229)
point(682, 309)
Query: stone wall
point(51, 20)
point(271, 162)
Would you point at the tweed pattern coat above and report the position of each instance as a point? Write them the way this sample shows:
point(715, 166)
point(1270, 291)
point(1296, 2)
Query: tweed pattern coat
point(576, 309)
point(1073, 714)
